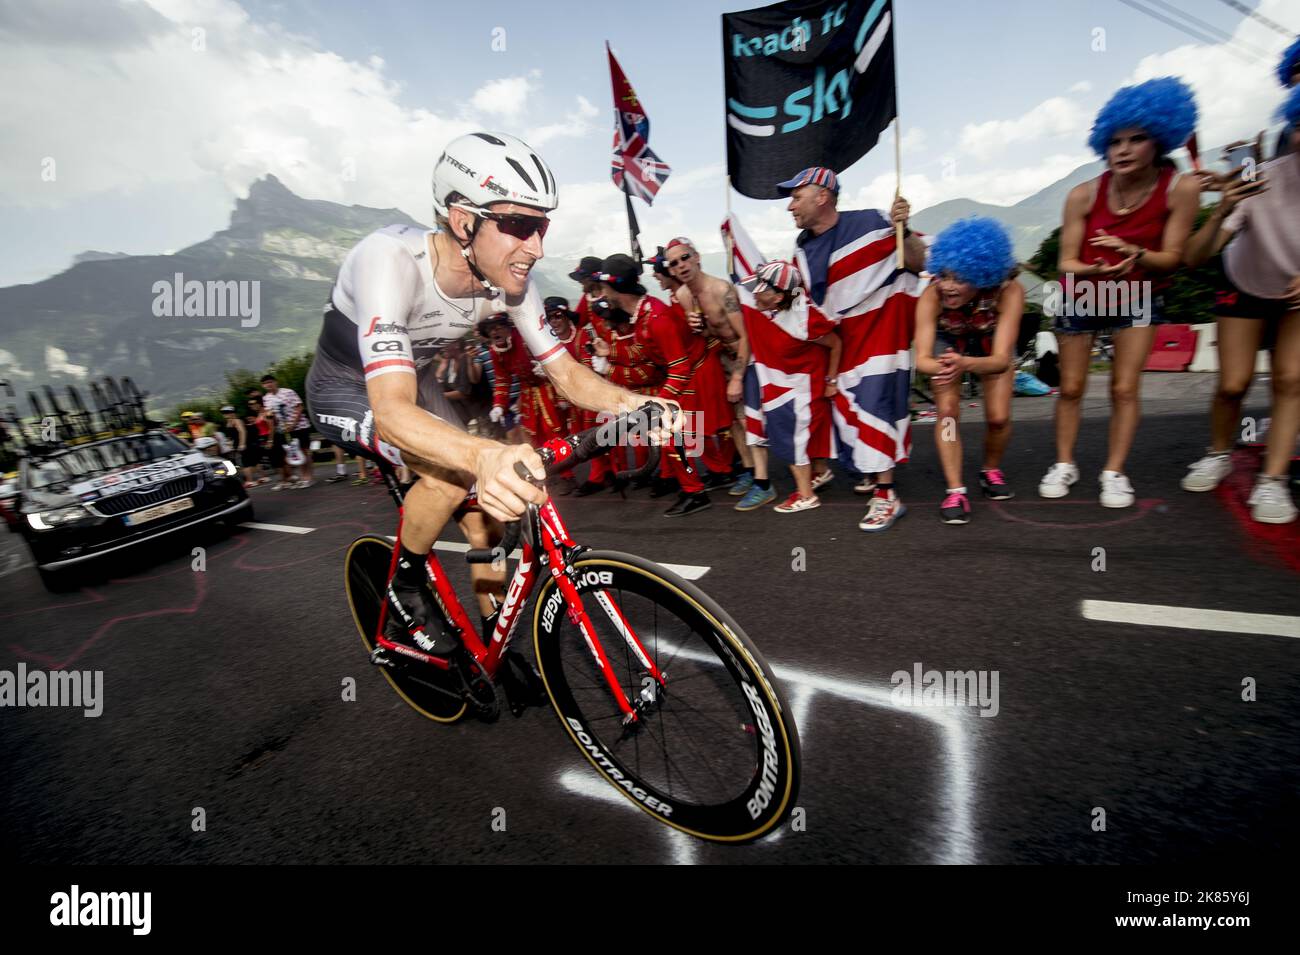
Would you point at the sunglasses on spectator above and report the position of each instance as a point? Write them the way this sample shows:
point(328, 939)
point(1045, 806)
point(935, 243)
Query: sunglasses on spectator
point(518, 226)
point(686, 257)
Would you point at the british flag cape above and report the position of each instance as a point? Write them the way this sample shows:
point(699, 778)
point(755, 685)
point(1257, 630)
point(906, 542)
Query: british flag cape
point(852, 274)
point(785, 405)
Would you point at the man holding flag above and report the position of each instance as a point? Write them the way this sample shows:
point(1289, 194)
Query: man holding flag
point(848, 263)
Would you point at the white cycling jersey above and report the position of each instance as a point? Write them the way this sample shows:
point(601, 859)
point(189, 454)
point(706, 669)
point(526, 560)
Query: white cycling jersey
point(387, 314)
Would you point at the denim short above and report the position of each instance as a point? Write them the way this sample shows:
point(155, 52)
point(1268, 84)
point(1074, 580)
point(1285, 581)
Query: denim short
point(1090, 324)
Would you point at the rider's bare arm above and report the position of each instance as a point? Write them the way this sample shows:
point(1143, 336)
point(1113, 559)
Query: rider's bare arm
point(401, 422)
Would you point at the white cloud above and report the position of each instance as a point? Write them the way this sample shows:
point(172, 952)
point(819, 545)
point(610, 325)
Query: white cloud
point(1083, 86)
point(1236, 96)
point(506, 97)
point(248, 101)
point(576, 124)
point(1052, 118)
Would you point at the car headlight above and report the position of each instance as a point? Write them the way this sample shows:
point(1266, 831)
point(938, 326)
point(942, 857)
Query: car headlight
point(224, 468)
point(48, 520)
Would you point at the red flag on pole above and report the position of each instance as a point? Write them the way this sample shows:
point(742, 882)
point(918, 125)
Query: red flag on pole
point(636, 170)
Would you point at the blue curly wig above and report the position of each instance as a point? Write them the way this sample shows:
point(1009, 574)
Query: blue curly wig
point(1291, 107)
point(1164, 107)
point(1289, 63)
point(976, 250)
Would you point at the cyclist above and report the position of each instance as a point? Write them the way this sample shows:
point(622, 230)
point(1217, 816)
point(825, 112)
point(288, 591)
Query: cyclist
point(401, 294)
point(968, 320)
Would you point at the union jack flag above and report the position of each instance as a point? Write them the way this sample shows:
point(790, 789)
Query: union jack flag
point(873, 303)
point(636, 170)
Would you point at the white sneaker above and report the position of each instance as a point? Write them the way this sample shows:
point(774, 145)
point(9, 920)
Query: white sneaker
point(1056, 482)
point(1116, 491)
point(1270, 502)
point(1206, 473)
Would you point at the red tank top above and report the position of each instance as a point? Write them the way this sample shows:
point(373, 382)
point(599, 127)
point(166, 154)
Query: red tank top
point(1143, 226)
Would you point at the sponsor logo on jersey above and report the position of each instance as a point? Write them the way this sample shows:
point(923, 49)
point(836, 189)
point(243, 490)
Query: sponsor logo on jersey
point(387, 345)
point(379, 327)
point(348, 426)
point(436, 313)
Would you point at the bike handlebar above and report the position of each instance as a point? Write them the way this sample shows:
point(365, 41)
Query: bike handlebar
point(577, 449)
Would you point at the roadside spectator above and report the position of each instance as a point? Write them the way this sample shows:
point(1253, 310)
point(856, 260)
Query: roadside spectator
point(243, 445)
point(1128, 228)
point(1257, 226)
point(846, 259)
point(968, 320)
point(291, 421)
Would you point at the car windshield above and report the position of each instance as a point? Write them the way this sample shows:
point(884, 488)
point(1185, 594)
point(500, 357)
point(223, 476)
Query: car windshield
point(78, 464)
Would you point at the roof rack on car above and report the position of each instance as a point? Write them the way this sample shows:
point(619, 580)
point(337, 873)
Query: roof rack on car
point(63, 423)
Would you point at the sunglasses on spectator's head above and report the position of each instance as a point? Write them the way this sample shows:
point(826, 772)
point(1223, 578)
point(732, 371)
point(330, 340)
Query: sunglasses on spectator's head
point(519, 226)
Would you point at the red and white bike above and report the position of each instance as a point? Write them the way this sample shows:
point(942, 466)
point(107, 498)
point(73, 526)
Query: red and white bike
point(656, 684)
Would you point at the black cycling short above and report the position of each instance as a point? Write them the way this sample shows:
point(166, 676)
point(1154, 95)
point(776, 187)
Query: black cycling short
point(340, 408)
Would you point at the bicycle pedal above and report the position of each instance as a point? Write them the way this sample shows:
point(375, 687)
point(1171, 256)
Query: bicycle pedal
point(379, 657)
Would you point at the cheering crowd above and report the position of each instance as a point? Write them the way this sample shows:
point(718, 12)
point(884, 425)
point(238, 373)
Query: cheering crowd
point(809, 359)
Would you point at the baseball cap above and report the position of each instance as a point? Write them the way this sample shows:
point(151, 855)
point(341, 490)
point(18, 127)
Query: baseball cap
point(812, 176)
point(622, 272)
point(555, 303)
point(779, 275)
point(589, 265)
point(227, 409)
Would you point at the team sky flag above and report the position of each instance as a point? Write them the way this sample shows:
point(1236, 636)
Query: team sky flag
point(808, 83)
point(636, 170)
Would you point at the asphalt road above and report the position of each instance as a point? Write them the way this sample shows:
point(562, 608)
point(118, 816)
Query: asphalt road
point(223, 688)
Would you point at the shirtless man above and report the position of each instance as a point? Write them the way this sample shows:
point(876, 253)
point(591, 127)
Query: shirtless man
point(713, 308)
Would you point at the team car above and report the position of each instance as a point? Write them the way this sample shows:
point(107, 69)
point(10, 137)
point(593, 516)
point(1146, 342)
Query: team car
point(92, 484)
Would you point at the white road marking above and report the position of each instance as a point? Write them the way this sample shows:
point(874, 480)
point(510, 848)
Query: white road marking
point(282, 528)
point(803, 685)
point(16, 562)
point(587, 783)
point(1190, 618)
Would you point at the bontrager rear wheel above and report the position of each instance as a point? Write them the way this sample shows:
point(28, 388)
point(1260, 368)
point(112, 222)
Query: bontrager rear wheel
point(715, 752)
point(424, 688)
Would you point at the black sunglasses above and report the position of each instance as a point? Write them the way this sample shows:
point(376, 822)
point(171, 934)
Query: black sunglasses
point(517, 226)
point(686, 257)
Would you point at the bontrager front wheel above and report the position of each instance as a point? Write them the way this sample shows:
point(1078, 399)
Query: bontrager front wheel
point(714, 751)
point(424, 688)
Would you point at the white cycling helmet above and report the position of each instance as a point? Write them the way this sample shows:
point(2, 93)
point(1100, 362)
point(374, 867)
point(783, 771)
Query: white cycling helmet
point(493, 167)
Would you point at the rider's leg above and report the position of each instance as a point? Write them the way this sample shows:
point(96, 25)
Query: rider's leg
point(481, 532)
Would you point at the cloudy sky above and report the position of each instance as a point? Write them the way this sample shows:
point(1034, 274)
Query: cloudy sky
point(153, 115)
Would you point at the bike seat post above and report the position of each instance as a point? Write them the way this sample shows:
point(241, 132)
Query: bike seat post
point(390, 481)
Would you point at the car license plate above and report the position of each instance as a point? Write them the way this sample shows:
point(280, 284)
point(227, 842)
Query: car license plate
point(162, 510)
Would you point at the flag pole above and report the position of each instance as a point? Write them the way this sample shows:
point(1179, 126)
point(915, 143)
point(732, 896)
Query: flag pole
point(898, 144)
point(731, 242)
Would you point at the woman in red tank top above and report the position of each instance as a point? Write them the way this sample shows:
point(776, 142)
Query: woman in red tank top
point(1122, 236)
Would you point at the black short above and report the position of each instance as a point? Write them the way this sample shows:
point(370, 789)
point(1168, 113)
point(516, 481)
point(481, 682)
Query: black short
point(340, 408)
point(250, 456)
point(1232, 302)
